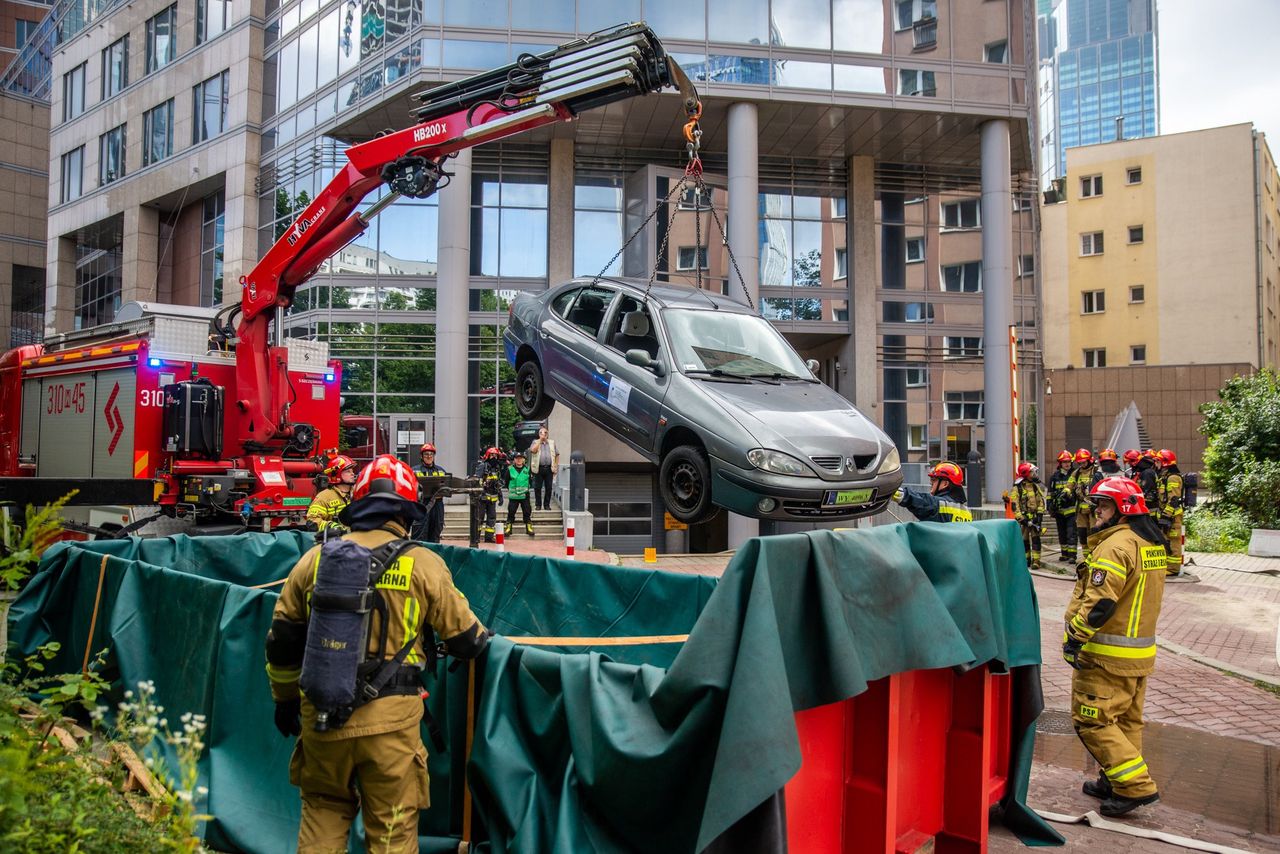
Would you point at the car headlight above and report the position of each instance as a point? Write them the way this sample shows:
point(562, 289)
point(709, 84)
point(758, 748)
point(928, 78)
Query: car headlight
point(778, 463)
point(891, 462)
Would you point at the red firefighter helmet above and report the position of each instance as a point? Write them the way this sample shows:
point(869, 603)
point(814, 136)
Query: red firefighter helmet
point(428, 448)
point(1131, 456)
point(1107, 454)
point(1084, 455)
point(492, 454)
point(1124, 492)
point(1065, 457)
point(1025, 470)
point(1149, 454)
point(337, 466)
point(948, 471)
point(387, 475)
point(1167, 457)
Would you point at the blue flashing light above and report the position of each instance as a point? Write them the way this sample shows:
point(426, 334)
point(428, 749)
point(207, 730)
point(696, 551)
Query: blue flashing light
point(328, 377)
point(153, 362)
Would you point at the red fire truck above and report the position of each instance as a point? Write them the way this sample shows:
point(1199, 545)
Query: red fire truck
point(210, 421)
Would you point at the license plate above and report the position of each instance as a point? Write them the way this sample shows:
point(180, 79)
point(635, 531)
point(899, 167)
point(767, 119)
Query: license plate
point(844, 497)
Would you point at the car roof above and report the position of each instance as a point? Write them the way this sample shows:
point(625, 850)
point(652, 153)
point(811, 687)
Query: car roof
point(668, 295)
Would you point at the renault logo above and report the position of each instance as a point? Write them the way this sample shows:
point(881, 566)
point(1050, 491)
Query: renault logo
point(849, 463)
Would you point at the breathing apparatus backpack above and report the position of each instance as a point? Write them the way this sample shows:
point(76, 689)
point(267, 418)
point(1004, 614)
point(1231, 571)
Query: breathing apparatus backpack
point(338, 673)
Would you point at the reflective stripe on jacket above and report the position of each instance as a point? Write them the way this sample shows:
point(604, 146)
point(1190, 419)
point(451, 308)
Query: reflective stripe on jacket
point(326, 506)
point(1170, 495)
point(1027, 500)
point(1117, 600)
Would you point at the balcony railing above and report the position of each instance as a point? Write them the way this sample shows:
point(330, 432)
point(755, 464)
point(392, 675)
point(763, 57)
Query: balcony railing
point(925, 32)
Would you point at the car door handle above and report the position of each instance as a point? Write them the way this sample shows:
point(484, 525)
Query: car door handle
point(544, 334)
point(602, 367)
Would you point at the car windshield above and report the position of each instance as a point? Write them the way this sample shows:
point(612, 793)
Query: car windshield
point(732, 344)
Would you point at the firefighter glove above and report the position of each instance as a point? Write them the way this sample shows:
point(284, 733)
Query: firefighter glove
point(1071, 652)
point(289, 717)
point(897, 495)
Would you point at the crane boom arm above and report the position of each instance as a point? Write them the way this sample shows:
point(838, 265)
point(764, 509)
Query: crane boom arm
point(531, 92)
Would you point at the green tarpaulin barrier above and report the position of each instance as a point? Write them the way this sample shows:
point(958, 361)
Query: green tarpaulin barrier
point(574, 751)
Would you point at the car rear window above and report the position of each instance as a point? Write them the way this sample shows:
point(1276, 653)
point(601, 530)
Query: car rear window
point(561, 303)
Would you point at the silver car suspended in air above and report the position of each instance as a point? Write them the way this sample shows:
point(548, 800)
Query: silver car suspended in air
point(706, 389)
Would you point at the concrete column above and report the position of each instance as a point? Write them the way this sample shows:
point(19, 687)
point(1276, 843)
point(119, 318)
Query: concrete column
point(560, 264)
point(240, 228)
point(140, 254)
point(856, 379)
point(744, 237)
point(744, 198)
point(452, 277)
point(997, 305)
point(60, 286)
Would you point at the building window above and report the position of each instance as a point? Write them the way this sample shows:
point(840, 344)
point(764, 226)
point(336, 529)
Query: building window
point(1137, 293)
point(157, 133)
point(961, 347)
point(212, 18)
point(911, 11)
point(73, 92)
point(692, 200)
point(842, 262)
point(509, 219)
point(28, 306)
point(1135, 234)
point(839, 207)
point(917, 376)
point(1022, 202)
point(98, 281)
point(1026, 265)
point(1138, 354)
point(115, 68)
point(915, 437)
point(1091, 243)
point(963, 278)
point(162, 33)
point(962, 214)
point(1090, 186)
point(25, 30)
point(1133, 175)
point(1093, 302)
point(685, 257)
point(1095, 358)
point(111, 156)
point(211, 241)
point(997, 52)
point(919, 312)
point(209, 104)
point(963, 405)
point(913, 81)
point(915, 250)
point(72, 175)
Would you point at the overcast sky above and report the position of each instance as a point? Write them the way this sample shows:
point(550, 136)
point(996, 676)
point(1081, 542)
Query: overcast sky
point(1218, 65)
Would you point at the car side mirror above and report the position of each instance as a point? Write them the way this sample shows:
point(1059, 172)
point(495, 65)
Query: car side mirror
point(642, 359)
point(812, 365)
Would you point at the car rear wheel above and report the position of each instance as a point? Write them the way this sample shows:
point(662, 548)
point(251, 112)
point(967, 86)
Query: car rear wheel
point(685, 482)
point(532, 399)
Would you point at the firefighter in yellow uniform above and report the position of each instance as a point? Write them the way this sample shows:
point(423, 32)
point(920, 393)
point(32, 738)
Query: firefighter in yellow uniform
point(373, 761)
point(1027, 499)
point(1079, 484)
point(330, 501)
point(1171, 509)
point(1110, 642)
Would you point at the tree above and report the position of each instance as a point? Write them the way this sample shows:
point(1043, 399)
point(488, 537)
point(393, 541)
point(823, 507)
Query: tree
point(1242, 461)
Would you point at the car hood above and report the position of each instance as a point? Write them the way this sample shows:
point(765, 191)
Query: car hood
point(803, 419)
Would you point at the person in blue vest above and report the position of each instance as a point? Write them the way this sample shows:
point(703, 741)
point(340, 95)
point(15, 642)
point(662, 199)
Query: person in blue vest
point(944, 502)
point(518, 478)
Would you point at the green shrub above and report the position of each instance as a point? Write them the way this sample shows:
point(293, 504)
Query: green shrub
point(1217, 528)
point(1242, 460)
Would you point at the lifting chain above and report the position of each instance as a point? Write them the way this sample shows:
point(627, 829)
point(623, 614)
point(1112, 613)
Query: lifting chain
point(692, 177)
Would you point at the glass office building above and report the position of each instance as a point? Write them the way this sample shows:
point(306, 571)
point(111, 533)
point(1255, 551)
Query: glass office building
point(865, 246)
point(1099, 78)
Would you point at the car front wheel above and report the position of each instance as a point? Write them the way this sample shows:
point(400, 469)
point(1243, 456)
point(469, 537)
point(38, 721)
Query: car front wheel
point(685, 482)
point(532, 399)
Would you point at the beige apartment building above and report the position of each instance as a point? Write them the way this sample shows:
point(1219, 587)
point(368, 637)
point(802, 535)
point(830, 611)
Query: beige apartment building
point(24, 184)
point(1160, 267)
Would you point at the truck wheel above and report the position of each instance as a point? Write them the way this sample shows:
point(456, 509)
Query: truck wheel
point(685, 482)
point(532, 400)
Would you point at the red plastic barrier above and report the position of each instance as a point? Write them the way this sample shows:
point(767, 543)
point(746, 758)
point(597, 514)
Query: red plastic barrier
point(918, 758)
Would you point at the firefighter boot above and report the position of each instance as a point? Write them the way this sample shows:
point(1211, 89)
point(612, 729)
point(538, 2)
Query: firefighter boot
point(1118, 805)
point(528, 528)
point(1099, 788)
